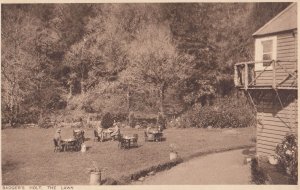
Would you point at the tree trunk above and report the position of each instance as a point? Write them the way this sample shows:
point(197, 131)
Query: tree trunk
point(128, 107)
point(40, 120)
point(11, 105)
point(128, 100)
point(162, 94)
point(82, 86)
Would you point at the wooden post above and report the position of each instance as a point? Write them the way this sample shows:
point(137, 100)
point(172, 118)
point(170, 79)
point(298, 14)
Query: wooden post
point(274, 74)
point(246, 77)
point(236, 83)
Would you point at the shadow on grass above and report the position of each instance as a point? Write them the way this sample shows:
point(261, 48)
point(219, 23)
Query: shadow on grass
point(131, 147)
point(87, 139)
point(88, 148)
point(9, 166)
point(156, 141)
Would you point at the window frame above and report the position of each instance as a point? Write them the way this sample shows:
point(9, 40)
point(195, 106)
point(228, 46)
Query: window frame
point(259, 52)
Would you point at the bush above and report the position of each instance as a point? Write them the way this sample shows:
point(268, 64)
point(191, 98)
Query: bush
point(287, 155)
point(107, 121)
point(225, 86)
point(228, 112)
point(45, 122)
point(120, 117)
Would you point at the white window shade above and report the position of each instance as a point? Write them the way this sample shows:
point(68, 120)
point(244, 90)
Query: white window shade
point(265, 49)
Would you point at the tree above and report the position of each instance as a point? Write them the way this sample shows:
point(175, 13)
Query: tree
point(17, 60)
point(155, 59)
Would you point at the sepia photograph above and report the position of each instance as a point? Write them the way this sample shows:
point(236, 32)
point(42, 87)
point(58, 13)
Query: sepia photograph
point(173, 93)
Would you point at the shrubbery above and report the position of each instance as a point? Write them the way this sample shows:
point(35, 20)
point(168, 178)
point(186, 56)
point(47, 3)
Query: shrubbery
point(107, 121)
point(287, 155)
point(227, 112)
point(120, 117)
point(45, 122)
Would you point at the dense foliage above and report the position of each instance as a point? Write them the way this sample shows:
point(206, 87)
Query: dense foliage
point(287, 155)
point(225, 113)
point(107, 121)
point(95, 58)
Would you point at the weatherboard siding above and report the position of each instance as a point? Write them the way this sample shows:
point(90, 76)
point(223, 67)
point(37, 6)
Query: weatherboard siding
point(274, 122)
point(286, 49)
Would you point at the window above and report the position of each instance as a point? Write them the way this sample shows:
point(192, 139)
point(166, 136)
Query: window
point(265, 49)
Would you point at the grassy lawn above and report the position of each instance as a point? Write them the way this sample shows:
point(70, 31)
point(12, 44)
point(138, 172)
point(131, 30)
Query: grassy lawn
point(28, 157)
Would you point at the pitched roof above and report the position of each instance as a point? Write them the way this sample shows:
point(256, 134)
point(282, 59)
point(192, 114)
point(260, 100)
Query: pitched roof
point(285, 20)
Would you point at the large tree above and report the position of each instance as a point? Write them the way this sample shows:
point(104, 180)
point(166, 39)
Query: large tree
point(155, 59)
point(17, 60)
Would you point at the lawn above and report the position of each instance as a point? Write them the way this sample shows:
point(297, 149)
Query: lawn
point(28, 157)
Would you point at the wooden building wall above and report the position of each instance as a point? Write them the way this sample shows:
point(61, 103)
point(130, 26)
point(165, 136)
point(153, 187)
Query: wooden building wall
point(274, 122)
point(286, 49)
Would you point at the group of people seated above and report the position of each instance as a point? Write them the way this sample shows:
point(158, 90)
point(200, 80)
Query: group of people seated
point(112, 132)
point(78, 139)
point(153, 133)
point(152, 130)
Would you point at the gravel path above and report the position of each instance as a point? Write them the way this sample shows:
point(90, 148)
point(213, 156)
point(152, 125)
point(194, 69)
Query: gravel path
point(220, 168)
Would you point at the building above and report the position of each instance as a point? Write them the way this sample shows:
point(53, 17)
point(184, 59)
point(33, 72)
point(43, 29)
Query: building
point(270, 81)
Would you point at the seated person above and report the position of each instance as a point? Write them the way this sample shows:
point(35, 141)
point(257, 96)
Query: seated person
point(160, 129)
point(154, 130)
point(100, 132)
point(57, 137)
point(149, 131)
point(116, 130)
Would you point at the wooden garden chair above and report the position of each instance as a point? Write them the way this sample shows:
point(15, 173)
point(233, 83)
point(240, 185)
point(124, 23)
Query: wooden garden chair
point(135, 140)
point(123, 143)
point(79, 135)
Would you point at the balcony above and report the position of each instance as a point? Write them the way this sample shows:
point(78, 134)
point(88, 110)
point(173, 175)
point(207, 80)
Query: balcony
point(268, 74)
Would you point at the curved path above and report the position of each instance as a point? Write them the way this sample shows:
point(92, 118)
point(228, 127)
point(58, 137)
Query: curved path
point(219, 168)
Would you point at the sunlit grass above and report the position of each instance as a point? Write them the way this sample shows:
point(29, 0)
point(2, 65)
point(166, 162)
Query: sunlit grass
point(28, 157)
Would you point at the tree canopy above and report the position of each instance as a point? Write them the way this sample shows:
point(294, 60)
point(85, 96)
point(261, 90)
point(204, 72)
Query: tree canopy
point(53, 54)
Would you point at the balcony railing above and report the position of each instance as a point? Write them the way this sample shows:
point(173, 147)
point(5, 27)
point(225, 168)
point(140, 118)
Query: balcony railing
point(277, 74)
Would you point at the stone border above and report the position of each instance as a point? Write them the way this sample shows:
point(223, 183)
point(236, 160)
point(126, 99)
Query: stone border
point(126, 179)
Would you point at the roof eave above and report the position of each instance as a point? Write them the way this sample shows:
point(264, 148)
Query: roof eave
point(274, 18)
point(274, 33)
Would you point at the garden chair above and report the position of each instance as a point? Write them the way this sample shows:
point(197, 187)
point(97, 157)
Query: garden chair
point(79, 135)
point(77, 145)
point(158, 137)
point(135, 140)
point(146, 136)
point(123, 143)
point(96, 136)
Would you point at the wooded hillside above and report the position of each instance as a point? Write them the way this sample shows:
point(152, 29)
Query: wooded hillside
point(62, 59)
